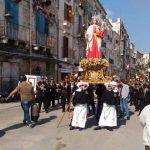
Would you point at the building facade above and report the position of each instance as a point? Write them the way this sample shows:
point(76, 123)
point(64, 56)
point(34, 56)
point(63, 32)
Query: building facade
point(47, 38)
point(28, 39)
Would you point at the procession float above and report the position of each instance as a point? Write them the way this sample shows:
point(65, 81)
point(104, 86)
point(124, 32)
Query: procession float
point(94, 67)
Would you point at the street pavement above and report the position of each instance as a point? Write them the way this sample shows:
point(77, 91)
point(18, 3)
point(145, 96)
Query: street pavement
point(46, 136)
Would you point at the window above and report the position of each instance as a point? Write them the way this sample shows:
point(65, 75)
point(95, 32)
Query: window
point(80, 23)
point(67, 12)
point(65, 47)
point(12, 8)
point(41, 28)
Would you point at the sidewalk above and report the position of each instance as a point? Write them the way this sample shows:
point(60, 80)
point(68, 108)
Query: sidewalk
point(10, 105)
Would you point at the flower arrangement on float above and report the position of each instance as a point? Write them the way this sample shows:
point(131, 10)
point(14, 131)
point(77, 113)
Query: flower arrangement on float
point(93, 63)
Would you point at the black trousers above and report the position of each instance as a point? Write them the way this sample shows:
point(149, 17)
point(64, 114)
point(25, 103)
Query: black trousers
point(131, 101)
point(40, 100)
point(147, 147)
point(92, 104)
point(65, 99)
point(46, 103)
point(99, 110)
point(136, 104)
point(52, 100)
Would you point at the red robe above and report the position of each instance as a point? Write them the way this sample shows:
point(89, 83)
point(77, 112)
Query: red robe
point(94, 51)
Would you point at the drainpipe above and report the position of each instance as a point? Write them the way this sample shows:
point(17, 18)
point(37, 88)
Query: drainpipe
point(30, 38)
point(57, 25)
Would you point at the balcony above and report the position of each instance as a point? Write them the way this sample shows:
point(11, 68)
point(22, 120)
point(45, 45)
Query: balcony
point(21, 33)
point(13, 31)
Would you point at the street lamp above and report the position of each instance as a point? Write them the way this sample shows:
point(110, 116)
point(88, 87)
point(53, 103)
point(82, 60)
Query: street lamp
point(4, 40)
point(35, 47)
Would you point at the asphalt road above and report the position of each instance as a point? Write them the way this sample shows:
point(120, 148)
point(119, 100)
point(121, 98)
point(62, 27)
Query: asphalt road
point(46, 136)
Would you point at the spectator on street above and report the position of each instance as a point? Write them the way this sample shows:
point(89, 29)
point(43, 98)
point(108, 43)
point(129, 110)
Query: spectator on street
point(124, 94)
point(27, 96)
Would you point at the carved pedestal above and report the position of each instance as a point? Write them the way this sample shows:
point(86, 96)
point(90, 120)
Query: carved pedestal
point(93, 70)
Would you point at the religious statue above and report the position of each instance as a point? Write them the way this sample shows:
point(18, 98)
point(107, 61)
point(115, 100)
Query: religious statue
point(94, 67)
point(94, 36)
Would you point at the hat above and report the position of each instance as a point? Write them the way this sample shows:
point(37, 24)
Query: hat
point(81, 83)
point(113, 83)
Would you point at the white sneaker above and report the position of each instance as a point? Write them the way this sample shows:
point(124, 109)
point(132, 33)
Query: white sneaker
point(30, 126)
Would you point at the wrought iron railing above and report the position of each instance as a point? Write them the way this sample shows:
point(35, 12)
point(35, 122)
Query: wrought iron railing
point(14, 31)
point(21, 33)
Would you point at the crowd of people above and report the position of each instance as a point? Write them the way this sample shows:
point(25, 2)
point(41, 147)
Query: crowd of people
point(108, 102)
point(112, 96)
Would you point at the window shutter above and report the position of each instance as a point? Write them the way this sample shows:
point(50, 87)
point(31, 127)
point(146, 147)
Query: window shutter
point(65, 46)
point(65, 11)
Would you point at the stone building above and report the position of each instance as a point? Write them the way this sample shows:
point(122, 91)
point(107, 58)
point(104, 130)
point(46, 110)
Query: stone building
point(28, 39)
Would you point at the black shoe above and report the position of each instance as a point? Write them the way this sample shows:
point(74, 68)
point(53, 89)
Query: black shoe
point(80, 129)
point(98, 128)
point(72, 128)
point(109, 129)
point(128, 118)
point(47, 110)
point(24, 122)
point(120, 117)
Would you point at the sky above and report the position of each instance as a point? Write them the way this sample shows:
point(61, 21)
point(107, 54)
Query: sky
point(136, 17)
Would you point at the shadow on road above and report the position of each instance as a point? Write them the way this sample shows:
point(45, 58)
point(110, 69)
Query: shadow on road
point(45, 120)
point(91, 121)
point(13, 127)
point(20, 125)
point(123, 121)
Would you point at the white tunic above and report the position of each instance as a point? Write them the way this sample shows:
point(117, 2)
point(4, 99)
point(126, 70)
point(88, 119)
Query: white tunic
point(79, 116)
point(108, 116)
point(145, 121)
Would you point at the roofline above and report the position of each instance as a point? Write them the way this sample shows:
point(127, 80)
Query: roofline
point(98, 1)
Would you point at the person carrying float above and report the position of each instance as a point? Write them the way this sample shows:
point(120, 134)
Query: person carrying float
point(108, 116)
point(80, 102)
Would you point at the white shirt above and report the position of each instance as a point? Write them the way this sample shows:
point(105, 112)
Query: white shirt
point(145, 122)
point(125, 91)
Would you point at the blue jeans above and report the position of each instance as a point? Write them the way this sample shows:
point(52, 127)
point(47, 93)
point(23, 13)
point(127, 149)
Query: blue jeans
point(25, 106)
point(124, 107)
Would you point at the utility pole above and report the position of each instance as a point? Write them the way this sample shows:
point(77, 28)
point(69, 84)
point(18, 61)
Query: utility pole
point(30, 38)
